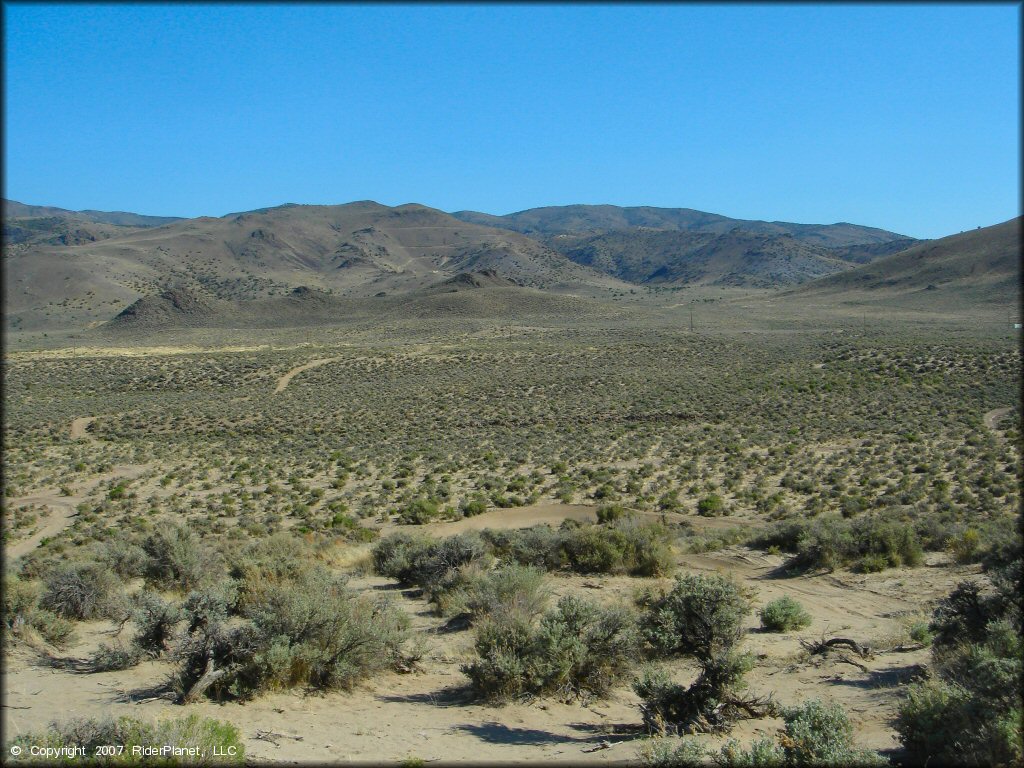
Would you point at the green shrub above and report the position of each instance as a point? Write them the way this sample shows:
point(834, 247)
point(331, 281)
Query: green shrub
point(127, 560)
point(312, 631)
point(110, 658)
point(711, 505)
point(970, 714)
point(966, 547)
point(593, 549)
point(191, 732)
point(661, 752)
point(830, 541)
point(821, 735)
point(82, 591)
point(177, 559)
point(783, 615)
point(712, 703)
point(213, 604)
point(444, 568)
point(395, 555)
point(646, 548)
point(964, 615)
point(57, 631)
point(623, 545)
point(539, 546)
point(155, 619)
point(512, 588)
point(472, 507)
point(261, 564)
point(22, 614)
point(610, 513)
point(700, 616)
point(763, 753)
point(578, 649)
point(418, 512)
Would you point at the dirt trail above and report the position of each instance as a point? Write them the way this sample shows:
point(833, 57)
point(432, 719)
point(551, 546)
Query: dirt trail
point(80, 428)
point(994, 416)
point(62, 508)
point(286, 379)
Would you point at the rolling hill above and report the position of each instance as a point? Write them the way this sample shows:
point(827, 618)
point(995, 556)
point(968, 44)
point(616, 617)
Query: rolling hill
point(358, 249)
point(46, 225)
point(674, 257)
point(684, 246)
point(982, 265)
point(467, 296)
point(290, 263)
point(575, 219)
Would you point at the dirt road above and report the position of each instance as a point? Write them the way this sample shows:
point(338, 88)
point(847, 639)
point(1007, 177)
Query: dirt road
point(80, 428)
point(63, 509)
point(286, 379)
point(994, 416)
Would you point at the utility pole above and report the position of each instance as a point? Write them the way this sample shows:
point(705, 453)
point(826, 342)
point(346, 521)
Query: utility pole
point(691, 319)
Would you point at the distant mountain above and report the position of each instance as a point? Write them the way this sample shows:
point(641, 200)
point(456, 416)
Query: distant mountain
point(44, 225)
point(737, 257)
point(984, 264)
point(15, 210)
point(358, 249)
point(575, 219)
point(682, 245)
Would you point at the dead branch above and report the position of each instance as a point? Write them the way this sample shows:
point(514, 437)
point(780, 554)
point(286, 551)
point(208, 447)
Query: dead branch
point(844, 659)
point(272, 737)
point(210, 676)
point(903, 648)
point(815, 647)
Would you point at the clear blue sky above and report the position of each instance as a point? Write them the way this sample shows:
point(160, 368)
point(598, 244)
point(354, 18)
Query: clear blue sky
point(903, 117)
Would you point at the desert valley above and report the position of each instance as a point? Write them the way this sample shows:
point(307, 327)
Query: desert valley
point(584, 484)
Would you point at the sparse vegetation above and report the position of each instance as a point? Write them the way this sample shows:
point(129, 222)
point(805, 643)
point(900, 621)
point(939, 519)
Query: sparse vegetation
point(247, 549)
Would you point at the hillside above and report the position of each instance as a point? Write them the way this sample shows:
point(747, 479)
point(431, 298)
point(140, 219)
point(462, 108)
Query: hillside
point(467, 296)
point(12, 209)
point(29, 225)
point(980, 265)
point(737, 257)
point(358, 249)
point(569, 219)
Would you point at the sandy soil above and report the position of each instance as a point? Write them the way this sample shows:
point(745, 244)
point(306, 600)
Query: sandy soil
point(429, 714)
point(553, 513)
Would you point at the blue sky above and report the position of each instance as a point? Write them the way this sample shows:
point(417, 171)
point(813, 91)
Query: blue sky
point(904, 117)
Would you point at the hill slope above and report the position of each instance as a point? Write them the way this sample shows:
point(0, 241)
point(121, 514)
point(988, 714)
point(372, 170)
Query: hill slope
point(12, 209)
point(685, 246)
point(568, 219)
point(359, 249)
point(737, 257)
point(982, 264)
point(27, 225)
point(469, 296)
